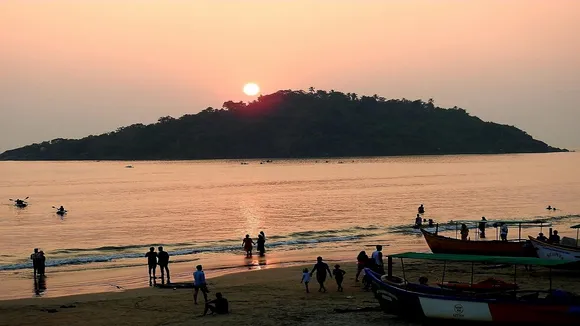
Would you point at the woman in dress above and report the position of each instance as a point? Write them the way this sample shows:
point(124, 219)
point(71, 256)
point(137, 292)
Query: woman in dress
point(247, 243)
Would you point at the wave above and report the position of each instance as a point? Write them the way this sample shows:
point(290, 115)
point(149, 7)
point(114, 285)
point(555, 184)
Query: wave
point(289, 243)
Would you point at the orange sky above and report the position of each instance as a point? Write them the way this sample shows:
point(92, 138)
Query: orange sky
point(72, 68)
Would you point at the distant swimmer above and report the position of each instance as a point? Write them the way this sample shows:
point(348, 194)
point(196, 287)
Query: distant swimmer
point(431, 223)
point(418, 221)
point(549, 207)
point(421, 209)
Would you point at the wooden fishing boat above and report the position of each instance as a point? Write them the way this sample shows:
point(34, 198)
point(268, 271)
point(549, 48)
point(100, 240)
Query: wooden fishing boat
point(416, 301)
point(548, 250)
point(445, 245)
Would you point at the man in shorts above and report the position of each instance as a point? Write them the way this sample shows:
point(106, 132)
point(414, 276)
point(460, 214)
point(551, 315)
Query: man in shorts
point(199, 284)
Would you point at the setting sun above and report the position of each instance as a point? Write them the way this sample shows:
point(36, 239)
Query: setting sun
point(251, 89)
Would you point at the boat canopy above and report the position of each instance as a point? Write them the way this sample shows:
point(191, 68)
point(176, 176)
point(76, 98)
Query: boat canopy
point(520, 221)
point(575, 226)
point(483, 259)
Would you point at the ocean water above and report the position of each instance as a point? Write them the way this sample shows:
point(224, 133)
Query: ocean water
point(200, 210)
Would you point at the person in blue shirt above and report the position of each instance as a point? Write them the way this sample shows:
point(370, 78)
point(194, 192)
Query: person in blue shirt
point(199, 284)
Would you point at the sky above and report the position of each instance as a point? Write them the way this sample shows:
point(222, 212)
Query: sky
point(73, 68)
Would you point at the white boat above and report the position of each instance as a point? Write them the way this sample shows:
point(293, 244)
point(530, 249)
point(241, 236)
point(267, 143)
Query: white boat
point(547, 250)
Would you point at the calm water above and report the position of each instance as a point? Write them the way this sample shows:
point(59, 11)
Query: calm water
point(201, 210)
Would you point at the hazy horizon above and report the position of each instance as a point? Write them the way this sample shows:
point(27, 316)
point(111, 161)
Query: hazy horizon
point(69, 69)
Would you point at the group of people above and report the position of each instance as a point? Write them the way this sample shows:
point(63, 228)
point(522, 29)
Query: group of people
point(322, 271)
point(160, 258)
point(38, 262)
point(553, 239)
point(419, 221)
point(248, 244)
point(219, 305)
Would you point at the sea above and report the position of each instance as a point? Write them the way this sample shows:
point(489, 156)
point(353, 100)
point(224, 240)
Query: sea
point(199, 211)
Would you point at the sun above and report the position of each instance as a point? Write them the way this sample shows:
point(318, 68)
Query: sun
point(251, 89)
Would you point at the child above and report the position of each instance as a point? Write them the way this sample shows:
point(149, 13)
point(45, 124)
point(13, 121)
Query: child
point(338, 276)
point(305, 279)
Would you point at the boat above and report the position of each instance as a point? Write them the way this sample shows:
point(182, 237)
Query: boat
point(445, 245)
point(547, 250)
point(59, 212)
point(21, 205)
point(398, 296)
point(488, 285)
point(513, 248)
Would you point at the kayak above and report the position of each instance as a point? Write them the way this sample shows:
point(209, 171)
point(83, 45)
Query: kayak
point(60, 212)
point(21, 205)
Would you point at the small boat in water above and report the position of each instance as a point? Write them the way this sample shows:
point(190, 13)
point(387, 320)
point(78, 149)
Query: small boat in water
point(423, 302)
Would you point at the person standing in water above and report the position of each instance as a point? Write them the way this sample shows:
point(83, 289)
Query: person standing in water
point(421, 209)
point(321, 268)
point(41, 263)
point(34, 258)
point(163, 264)
point(248, 243)
point(261, 244)
point(151, 263)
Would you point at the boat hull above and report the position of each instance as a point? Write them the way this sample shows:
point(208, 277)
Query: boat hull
point(414, 304)
point(445, 245)
point(552, 251)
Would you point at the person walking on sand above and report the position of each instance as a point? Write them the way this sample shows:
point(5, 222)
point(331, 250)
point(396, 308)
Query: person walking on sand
point(361, 262)
point(248, 243)
point(377, 257)
point(34, 258)
point(321, 268)
point(199, 284)
point(338, 276)
point(163, 261)
point(151, 263)
point(305, 279)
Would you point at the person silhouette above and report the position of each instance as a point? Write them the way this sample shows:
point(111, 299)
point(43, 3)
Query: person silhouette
point(163, 261)
point(151, 263)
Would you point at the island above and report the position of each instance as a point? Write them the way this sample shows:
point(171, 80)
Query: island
point(297, 124)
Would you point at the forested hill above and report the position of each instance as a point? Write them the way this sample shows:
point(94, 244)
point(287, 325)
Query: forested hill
point(292, 124)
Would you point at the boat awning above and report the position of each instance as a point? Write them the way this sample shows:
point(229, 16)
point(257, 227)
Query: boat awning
point(519, 221)
point(575, 226)
point(483, 259)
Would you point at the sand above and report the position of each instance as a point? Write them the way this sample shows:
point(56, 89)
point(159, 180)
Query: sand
point(262, 297)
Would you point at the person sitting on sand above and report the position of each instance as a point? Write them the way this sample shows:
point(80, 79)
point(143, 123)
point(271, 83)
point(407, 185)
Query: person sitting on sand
point(218, 306)
point(481, 226)
point(163, 263)
point(421, 209)
point(554, 238)
point(377, 257)
point(503, 232)
point(338, 276)
point(361, 262)
point(541, 237)
point(321, 268)
point(464, 232)
point(423, 281)
point(199, 284)
point(261, 247)
point(248, 243)
point(305, 279)
point(418, 221)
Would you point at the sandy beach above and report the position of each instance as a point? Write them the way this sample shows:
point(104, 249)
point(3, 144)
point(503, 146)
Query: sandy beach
point(260, 297)
point(265, 297)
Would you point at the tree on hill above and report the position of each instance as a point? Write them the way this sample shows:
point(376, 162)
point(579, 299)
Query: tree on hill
point(292, 124)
